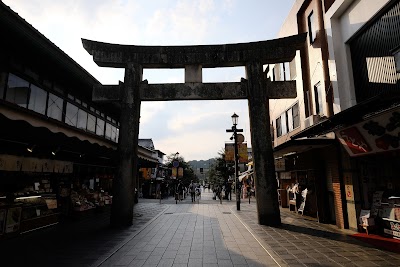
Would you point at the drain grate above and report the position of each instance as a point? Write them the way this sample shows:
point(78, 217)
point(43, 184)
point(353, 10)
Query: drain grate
point(137, 215)
point(168, 213)
point(226, 212)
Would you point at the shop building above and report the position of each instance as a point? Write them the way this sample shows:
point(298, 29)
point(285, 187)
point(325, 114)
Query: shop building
point(151, 179)
point(338, 137)
point(57, 147)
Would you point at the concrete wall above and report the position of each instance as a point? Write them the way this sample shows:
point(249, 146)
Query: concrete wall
point(342, 21)
point(312, 61)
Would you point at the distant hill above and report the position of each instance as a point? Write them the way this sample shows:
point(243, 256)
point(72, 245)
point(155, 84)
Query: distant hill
point(197, 164)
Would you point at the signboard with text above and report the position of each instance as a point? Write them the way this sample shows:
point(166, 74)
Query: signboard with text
point(230, 152)
point(378, 134)
point(30, 164)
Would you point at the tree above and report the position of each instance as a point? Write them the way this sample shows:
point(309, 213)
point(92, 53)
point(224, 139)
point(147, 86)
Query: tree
point(220, 170)
point(188, 173)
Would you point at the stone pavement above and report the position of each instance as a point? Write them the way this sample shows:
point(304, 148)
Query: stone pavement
point(302, 241)
point(85, 241)
point(204, 233)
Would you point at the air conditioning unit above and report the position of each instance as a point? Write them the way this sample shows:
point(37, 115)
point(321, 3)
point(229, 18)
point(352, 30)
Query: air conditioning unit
point(311, 120)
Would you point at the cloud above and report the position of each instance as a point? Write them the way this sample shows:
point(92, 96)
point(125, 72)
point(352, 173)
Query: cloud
point(187, 22)
point(197, 128)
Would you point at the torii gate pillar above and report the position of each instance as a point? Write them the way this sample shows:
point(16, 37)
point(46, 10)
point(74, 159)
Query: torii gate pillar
point(124, 184)
point(264, 168)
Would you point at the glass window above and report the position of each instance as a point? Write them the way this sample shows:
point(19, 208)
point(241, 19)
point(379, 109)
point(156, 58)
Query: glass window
point(114, 133)
point(84, 104)
point(37, 100)
point(82, 119)
point(296, 116)
point(71, 114)
point(117, 135)
point(108, 130)
point(278, 127)
point(78, 101)
point(287, 71)
point(100, 127)
point(55, 107)
point(17, 90)
point(289, 114)
point(108, 118)
point(91, 123)
point(271, 76)
point(318, 99)
point(281, 72)
point(312, 32)
point(92, 109)
point(71, 97)
point(284, 123)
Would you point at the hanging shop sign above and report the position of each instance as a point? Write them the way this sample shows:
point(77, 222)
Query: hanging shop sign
point(230, 152)
point(15, 163)
point(180, 172)
point(174, 172)
point(378, 134)
point(348, 183)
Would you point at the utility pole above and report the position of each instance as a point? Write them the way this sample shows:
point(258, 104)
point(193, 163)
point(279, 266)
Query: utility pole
point(235, 119)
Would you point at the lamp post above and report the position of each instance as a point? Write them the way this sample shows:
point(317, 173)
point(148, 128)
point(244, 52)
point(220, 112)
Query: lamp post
point(234, 130)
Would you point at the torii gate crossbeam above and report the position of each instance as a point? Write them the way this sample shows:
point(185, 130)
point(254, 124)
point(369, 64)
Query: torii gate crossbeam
point(256, 88)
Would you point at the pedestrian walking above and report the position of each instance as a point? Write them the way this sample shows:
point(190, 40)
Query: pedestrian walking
point(180, 188)
point(192, 190)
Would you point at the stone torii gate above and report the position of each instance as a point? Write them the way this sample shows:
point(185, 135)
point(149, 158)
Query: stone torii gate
point(256, 88)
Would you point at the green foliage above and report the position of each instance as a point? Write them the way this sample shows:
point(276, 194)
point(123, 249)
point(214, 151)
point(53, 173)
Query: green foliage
point(219, 171)
point(188, 173)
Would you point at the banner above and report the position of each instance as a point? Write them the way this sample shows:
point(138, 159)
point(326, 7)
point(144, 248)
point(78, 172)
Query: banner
point(174, 172)
point(230, 152)
point(180, 172)
point(378, 134)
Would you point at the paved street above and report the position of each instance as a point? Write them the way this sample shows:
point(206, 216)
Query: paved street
point(204, 233)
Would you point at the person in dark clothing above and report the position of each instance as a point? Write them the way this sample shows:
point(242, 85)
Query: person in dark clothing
point(228, 191)
point(192, 189)
point(180, 190)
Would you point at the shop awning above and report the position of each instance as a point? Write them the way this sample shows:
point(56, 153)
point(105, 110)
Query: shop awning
point(352, 115)
point(295, 146)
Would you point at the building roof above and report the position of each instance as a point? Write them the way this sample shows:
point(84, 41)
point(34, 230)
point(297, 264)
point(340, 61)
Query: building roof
point(147, 143)
point(39, 50)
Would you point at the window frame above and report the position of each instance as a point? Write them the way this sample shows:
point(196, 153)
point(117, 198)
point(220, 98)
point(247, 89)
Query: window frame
point(312, 31)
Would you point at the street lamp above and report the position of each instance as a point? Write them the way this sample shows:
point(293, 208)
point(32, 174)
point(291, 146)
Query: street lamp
point(234, 130)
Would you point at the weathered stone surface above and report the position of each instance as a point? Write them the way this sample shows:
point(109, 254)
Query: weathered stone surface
point(264, 168)
point(107, 93)
point(281, 89)
point(125, 180)
point(193, 74)
point(195, 91)
point(271, 51)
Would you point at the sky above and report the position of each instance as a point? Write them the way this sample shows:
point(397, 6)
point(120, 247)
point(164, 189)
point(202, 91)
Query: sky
point(195, 129)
